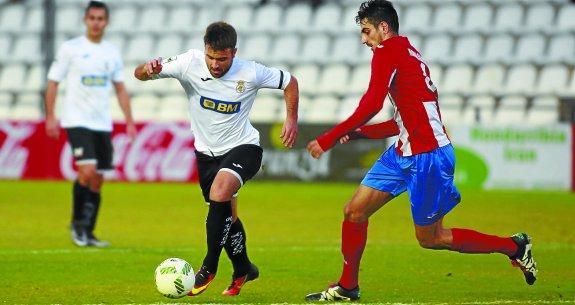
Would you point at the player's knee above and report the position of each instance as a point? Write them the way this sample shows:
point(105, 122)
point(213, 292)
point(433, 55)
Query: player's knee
point(96, 184)
point(354, 214)
point(431, 242)
point(221, 192)
point(86, 174)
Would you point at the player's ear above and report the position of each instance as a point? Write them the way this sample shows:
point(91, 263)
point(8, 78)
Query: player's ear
point(383, 27)
point(234, 50)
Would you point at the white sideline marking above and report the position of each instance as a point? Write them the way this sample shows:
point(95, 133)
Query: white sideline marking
point(347, 303)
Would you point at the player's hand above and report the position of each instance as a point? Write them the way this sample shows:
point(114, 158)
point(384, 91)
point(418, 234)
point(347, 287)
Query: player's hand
point(314, 149)
point(289, 133)
point(131, 131)
point(354, 135)
point(153, 66)
point(52, 129)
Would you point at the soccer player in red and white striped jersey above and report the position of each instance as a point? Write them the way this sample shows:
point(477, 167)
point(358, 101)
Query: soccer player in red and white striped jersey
point(421, 161)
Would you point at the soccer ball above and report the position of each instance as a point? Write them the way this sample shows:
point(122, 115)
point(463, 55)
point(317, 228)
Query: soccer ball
point(174, 278)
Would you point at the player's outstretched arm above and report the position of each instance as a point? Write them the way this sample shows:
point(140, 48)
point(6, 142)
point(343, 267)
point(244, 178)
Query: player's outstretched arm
point(381, 130)
point(124, 102)
point(52, 129)
point(145, 71)
point(290, 129)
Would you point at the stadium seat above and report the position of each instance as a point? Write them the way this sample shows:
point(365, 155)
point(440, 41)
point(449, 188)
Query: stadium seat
point(489, 79)
point(334, 79)
point(511, 111)
point(436, 75)
point(240, 17)
point(27, 107)
point(5, 47)
point(5, 105)
point(122, 20)
point(437, 49)
point(562, 48)
point(12, 18)
point(328, 18)
point(118, 40)
point(553, 79)
point(416, 41)
point(140, 48)
point(360, 79)
point(267, 109)
point(298, 18)
point(498, 48)
point(539, 16)
point(194, 42)
point(286, 48)
point(345, 48)
point(450, 117)
point(451, 101)
point(508, 17)
point(35, 79)
point(544, 110)
point(256, 47)
point(174, 108)
point(447, 17)
point(12, 78)
point(484, 106)
point(27, 48)
point(168, 45)
point(467, 49)
point(307, 75)
point(520, 80)
point(566, 18)
point(145, 107)
point(180, 18)
point(68, 18)
point(417, 18)
point(347, 21)
point(530, 48)
point(34, 19)
point(268, 17)
point(132, 84)
point(347, 107)
point(457, 79)
point(206, 15)
point(152, 18)
point(322, 109)
point(478, 17)
point(316, 48)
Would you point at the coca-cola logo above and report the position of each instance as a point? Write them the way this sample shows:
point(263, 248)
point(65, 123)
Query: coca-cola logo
point(160, 152)
point(14, 156)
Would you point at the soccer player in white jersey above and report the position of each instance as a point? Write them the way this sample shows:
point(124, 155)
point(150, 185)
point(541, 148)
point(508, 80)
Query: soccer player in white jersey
point(90, 66)
point(221, 90)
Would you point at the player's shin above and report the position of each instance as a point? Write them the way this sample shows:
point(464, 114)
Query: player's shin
point(353, 240)
point(91, 209)
point(236, 249)
point(470, 241)
point(218, 224)
point(80, 194)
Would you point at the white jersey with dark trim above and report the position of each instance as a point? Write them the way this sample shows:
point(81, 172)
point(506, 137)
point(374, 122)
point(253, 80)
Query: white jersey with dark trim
point(219, 107)
point(89, 70)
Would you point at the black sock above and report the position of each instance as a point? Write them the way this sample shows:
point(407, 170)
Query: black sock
point(218, 226)
point(91, 208)
point(79, 195)
point(236, 249)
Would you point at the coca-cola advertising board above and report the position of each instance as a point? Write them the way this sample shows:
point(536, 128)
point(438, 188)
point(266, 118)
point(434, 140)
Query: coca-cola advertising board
point(160, 152)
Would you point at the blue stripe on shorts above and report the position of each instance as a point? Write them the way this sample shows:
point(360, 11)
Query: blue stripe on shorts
point(427, 178)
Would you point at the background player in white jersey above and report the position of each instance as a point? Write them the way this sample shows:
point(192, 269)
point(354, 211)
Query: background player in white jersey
point(221, 90)
point(89, 65)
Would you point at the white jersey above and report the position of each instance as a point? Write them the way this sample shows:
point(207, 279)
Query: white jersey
point(89, 69)
point(219, 107)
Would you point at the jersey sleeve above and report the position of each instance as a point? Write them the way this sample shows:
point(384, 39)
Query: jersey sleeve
point(175, 66)
point(272, 78)
point(60, 65)
point(117, 73)
point(383, 69)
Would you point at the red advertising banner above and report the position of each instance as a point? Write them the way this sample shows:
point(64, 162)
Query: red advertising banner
point(160, 152)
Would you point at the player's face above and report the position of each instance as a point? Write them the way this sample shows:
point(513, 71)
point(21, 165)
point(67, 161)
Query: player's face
point(96, 21)
point(371, 36)
point(219, 62)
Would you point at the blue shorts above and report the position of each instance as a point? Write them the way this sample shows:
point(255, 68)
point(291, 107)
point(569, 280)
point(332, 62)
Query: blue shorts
point(427, 177)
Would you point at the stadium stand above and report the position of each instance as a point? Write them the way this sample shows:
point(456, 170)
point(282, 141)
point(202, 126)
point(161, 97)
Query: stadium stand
point(495, 62)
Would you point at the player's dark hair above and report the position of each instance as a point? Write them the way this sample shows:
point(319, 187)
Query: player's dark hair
point(376, 11)
point(97, 4)
point(220, 36)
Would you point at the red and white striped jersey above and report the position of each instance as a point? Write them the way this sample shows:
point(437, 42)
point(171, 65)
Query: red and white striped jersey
point(397, 69)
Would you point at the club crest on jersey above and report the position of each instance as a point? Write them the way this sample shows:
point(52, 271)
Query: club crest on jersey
point(219, 106)
point(241, 87)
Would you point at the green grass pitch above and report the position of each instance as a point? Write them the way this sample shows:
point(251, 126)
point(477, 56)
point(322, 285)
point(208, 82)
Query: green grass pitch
point(293, 236)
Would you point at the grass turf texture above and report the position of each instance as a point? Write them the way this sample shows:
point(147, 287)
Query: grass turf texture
point(293, 236)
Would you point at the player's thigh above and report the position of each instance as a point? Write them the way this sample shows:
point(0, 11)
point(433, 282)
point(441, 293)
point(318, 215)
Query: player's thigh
point(208, 167)
point(224, 187)
point(430, 185)
point(243, 161)
point(365, 202)
point(386, 175)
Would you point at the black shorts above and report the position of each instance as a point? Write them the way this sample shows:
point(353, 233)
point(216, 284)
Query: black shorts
point(243, 161)
point(91, 147)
